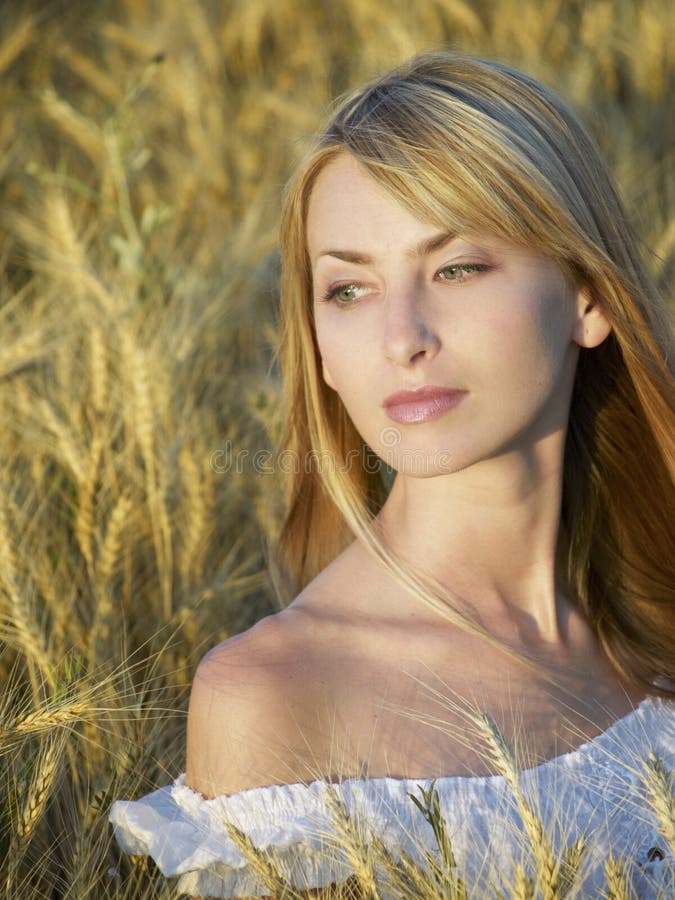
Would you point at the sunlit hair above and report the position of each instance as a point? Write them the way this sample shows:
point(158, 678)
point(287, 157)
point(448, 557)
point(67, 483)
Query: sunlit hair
point(474, 145)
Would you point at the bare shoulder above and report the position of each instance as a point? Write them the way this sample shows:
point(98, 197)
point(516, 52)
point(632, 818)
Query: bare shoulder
point(248, 656)
point(245, 695)
point(265, 703)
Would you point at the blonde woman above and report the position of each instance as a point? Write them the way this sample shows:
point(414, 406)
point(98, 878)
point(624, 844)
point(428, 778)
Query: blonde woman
point(479, 416)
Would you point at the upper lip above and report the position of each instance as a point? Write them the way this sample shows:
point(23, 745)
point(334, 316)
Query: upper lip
point(426, 392)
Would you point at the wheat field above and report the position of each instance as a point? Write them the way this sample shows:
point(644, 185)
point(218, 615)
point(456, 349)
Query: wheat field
point(143, 148)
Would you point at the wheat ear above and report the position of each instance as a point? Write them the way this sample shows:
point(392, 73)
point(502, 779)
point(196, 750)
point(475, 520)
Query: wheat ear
point(40, 786)
point(353, 846)
point(504, 758)
point(263, 863)
point(660, 783)
point(617, 881)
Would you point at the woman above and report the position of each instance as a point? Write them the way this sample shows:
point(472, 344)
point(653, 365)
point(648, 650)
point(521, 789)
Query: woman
point(462, 300)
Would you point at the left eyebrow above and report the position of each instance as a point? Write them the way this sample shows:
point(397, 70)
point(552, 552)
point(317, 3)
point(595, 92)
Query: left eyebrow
point(430, 245)
point(424, 248)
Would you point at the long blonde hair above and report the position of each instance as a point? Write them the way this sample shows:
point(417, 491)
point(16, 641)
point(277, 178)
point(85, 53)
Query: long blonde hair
point(470, 144)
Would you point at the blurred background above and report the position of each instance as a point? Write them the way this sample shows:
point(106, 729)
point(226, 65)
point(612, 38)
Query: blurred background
point(144, 145)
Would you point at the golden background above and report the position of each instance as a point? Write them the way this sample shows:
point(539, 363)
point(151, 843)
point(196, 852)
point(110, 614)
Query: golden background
point(143, 148)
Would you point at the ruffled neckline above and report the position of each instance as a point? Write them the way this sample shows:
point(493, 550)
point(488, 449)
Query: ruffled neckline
point(597, 786)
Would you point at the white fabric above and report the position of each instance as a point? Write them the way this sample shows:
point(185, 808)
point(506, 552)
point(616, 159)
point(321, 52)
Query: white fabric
point(598, 790)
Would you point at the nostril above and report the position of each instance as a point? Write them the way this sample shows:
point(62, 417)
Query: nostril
point(410, 341)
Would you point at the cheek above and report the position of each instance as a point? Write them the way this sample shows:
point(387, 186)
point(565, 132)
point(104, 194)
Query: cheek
point(326, 345)
point(523, 343)
point(343, 356)
point(552, 327)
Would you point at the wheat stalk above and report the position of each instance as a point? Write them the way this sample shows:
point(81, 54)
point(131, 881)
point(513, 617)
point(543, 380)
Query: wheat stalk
point(570, 865)
point(98, 367)
point(84, 517)
point(190, 555)
point(130, 40)
point(351, 843)
point(265, 864)
point(19, 38)
point(137, 367)
point(44, 719)
point(69, 452)
point(523, 885)
point(8, 566)
point(110, 550)
point(445, 874)
point(40, 786)
point(504, 758)
point(404, 877)
point(617, 881)
point(107, 563)
point(23, 351)
point(94, 76)
point(58, 222)
point(74, 125)
point(660, 783)
point(19, 614)
point(53, 599)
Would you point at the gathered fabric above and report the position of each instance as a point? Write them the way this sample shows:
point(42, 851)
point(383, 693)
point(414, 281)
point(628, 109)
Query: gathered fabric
point(599, 791)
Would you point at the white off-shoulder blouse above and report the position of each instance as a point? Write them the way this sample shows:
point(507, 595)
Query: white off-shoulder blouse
point(599, 790)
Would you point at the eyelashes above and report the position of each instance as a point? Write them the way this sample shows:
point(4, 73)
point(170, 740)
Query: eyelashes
point(334, 292)
point(460, 271)
point(350, 292)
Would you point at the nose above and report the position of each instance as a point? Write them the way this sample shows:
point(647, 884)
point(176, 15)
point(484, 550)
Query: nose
point(408, 334)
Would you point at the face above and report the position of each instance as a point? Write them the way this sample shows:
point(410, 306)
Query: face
point(401, 306)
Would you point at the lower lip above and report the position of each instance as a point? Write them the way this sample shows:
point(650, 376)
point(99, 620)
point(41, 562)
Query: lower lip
point(423, 410)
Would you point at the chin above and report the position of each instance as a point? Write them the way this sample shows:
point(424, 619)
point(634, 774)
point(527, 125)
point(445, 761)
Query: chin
point(416, 464)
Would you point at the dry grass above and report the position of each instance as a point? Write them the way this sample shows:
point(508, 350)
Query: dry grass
point(143, 145)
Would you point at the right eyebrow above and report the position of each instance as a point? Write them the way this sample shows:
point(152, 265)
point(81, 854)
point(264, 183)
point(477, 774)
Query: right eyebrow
point(347, 256)
point(424, 248)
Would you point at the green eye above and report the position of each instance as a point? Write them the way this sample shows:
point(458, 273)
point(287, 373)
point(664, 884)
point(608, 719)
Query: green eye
point(344, 294)
point(452, 272)
point(348, 292)
point(460, 271)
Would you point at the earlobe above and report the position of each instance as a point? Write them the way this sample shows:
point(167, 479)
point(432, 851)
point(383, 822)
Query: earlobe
point(592, 325)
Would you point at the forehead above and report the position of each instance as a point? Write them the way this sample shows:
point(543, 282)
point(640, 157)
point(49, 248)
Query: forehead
point(347, 206)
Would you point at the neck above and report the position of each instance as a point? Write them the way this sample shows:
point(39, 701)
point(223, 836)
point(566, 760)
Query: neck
point(490, 533)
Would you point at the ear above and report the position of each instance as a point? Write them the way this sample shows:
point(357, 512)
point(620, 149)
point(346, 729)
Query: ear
point(592, 326)
point(327, 377)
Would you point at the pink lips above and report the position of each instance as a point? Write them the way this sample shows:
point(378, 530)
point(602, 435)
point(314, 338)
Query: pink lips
point(425, 403)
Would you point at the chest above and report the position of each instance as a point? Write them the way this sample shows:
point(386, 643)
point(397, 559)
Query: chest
point(416, 712)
